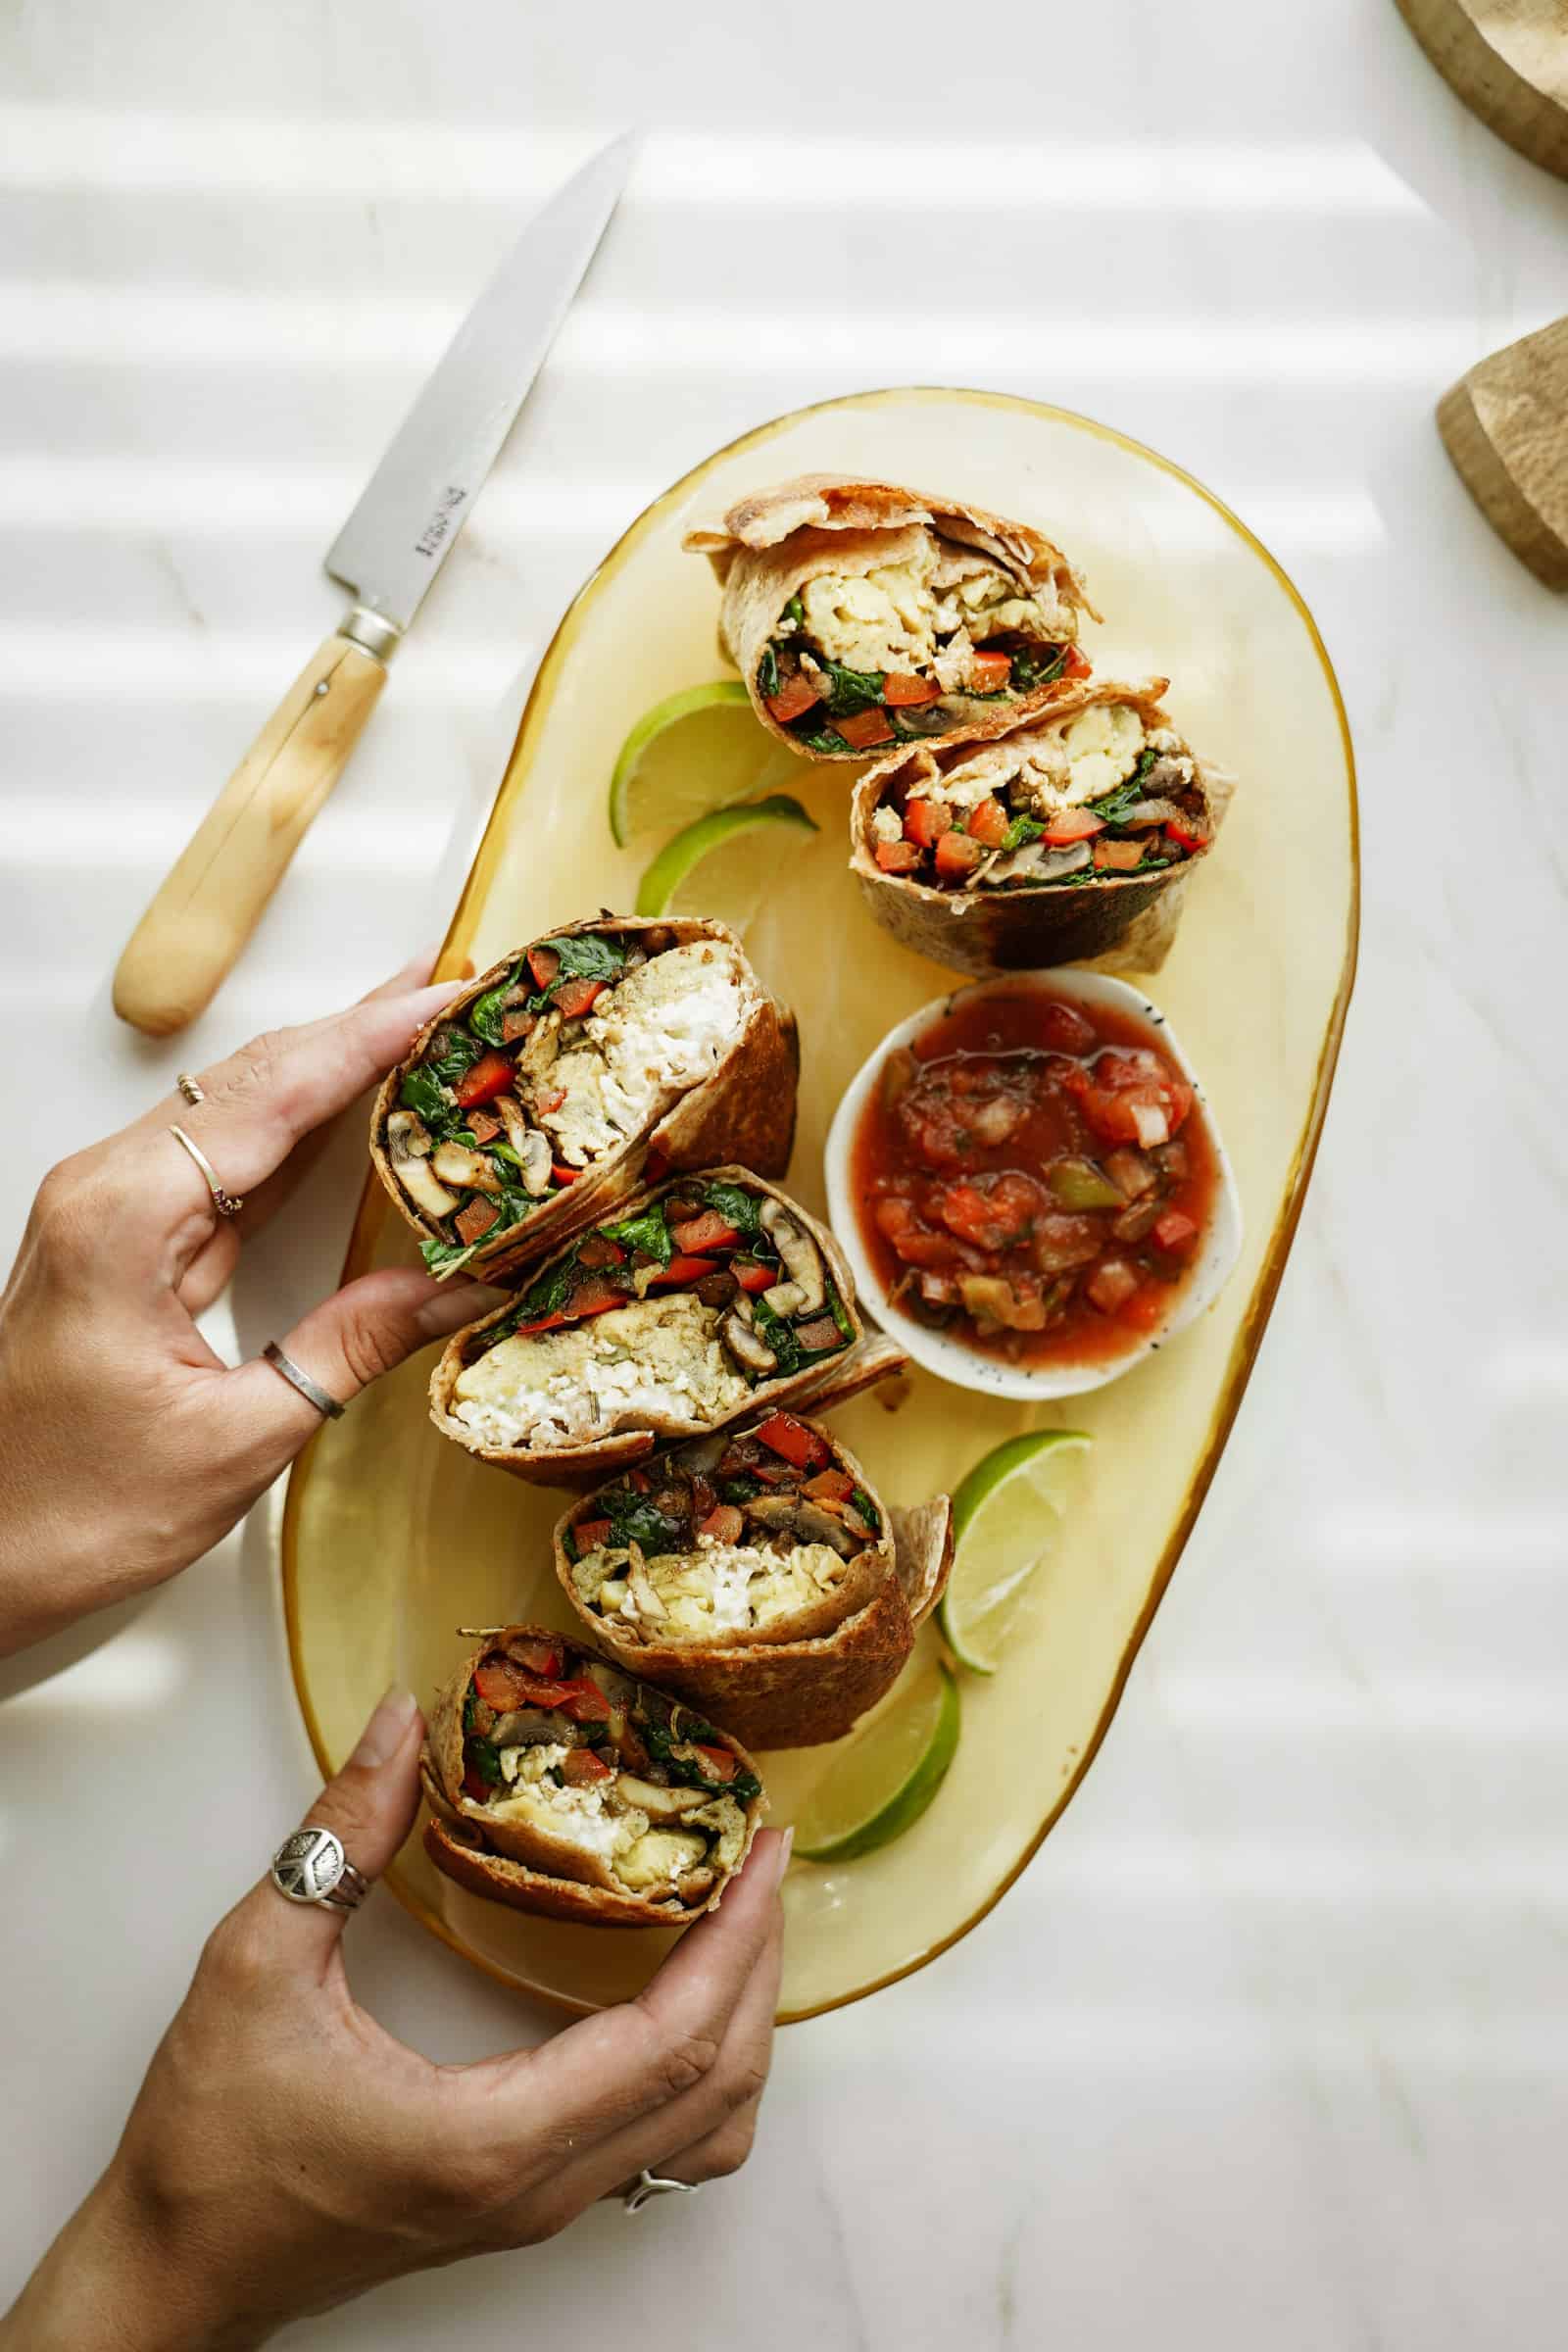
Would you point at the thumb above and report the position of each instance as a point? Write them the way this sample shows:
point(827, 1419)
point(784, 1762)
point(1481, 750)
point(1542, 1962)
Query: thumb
point(369, 1807)
point(364, 1329)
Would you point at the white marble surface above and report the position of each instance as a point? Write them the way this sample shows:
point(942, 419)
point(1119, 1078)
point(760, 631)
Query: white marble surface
point(1268, 2048)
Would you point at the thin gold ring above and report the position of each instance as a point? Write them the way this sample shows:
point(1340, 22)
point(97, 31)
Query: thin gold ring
point(225, 1203)
point(189, 1088)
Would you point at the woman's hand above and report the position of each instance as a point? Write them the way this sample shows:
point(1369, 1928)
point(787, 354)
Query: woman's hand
point(127, 1449)
point(286, 2154)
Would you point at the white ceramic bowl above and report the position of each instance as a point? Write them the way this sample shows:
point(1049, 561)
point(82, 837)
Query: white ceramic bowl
point(949, 1358)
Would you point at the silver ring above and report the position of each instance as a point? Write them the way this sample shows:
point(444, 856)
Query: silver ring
point(649, 2185)
point(225, 1203)
point(311, 1867)
point(188, 1087)
point(311, 1390)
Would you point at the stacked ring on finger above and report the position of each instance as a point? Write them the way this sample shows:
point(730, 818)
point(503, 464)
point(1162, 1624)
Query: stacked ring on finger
point(649, 2185)
point(226, 1203)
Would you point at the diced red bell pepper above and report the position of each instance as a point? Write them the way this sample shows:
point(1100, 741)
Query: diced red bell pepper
point(958, 855)
point(793, 697)
point(594, 1297)
point(710, 1230)
point(473, 1223)
point(906, 692)
point(752, 1275)
point(544, 1323)
point(723, 1523)
point(865, 728)
point(1175, 1231)
point(683, 1269)
point(484, 1126)
point(600, 1250)
point(989, 671)
point(988, 823)
point(548, 1098)
point(540, 1657)
point(590, 1534)
point(793, 1441)
point(897, 857)
point(558, 1169)
point(573, 998)
point(1118, 857)
point(1076, 665)
point(545, 966)
point(925, 822)
point(580, 1766)
point(502, 1684)
point(1072, 824)
point(829, 1486)
point(491, 1075)
point(515, 1021)
point(1182, 839)
point(583, 1700)
point(718, 1763)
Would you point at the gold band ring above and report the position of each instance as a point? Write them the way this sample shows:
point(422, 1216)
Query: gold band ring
point(225, 1203)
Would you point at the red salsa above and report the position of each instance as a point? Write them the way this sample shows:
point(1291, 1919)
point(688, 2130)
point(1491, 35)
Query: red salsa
point(1035, 1178)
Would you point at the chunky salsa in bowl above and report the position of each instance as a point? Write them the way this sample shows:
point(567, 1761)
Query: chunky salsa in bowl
point(1029, 1186)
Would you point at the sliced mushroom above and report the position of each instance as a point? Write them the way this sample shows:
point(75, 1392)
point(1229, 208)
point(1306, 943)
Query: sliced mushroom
point(660, 1805)
point(744, 1343)
point(454, 1163)
point(541, 1049)
point(822, 1527)
point(647, 1600)
point(799, 1255)
point(416, 1180)
point(533, 1727)
point(704, 1453)
point(786, 1299)
point(772, 1510)
point(531, 1146)
point(407, 1136)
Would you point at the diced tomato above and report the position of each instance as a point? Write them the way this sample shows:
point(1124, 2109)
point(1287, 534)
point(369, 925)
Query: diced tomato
point(1146, 1307)
point(718, 1763)
point(562, 1173)
point(540, 1657)
point(723, 1523)
point(904, 691)
point(710, 1230)
point(752, 1275)
point(594, 1297)
point(864, 728)
point(545, 966)
point(1185, 839)
point(573, 998)
point(829, 1486)
point(1063, 1030)
point(988, 823)
point(958, 855)
point(582, 1699)
point(1072, 824)
point(1175, 1233)
point(925, 822)
point(988, 1219)
point(502, 1684)
point(515, 1021)
point(989, 671)
point(683, 1269)
point(897, 857)
point(473, 1223)
point(1132, 1099)
point(580, 1765)
point(590, 1534)
point(1076, 664)
point(793, 1441)
point(1112, 1284)
point(795, 696)
point(491, 1075)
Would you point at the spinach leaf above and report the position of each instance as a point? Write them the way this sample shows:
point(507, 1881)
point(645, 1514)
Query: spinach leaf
point(685, 1771)
point(484, 1016)
point(767, 680)
point(852, 690)
point(740, 1488)
point(461, 1053)
point(779, 1337)
point(823, 740)
point(423, 1092)
point(444, 1257)
point(1021, 830)
point(837, 1310)
point(589, 957)
point(650, 1232)
point(736, 1208)
point(868, 1509)
point(636, 1520)
point(1114, 805)
point(795, 610)
point(546, 1297)
point(1031, 669)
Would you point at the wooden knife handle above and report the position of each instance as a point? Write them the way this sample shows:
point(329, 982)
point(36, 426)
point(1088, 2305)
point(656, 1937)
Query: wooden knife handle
point(188, 941)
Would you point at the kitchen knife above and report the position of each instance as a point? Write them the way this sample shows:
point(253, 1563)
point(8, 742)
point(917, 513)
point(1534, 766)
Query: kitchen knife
point(387, 554)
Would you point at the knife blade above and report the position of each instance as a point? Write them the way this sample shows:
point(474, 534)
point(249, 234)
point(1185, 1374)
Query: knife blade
point(387, 554)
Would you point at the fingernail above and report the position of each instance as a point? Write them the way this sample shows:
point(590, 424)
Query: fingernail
point(784, 1846)
point(387, 1727)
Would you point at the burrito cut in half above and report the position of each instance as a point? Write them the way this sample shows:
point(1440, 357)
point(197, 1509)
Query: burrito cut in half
point(758, 1574)
point(561, 1785)
point(534, 1101)
point(693, 1301)
point(862, 614)
point(1041, 845)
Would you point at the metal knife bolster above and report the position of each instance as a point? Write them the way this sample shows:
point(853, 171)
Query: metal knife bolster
point(371, 632)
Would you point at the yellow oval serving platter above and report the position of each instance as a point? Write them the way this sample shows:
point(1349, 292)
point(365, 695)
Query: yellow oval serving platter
point(392, 1536)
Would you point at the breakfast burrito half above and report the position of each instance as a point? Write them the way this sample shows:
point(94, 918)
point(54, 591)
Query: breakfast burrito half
point(862, 614)
point(757, 1572)
point(561, 1785)
point(1042, 846)
point(686, 1306)
point(535, 1098)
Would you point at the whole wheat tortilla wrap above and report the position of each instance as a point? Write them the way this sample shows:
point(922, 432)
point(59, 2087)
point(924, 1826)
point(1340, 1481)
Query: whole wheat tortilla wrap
point(862, 614)
point(561, 1785)
point(760, 1576)
point(690, 1305)
point(1066, 838)
point(535, 1100)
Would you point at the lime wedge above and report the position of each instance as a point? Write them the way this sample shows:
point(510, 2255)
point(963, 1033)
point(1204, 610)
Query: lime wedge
point(885, 1774)
point(1006, 1516)
point(717, 843)
point(698, 750)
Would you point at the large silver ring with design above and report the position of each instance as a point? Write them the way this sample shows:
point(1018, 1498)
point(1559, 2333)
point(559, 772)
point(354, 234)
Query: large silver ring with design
point(311, 1867)
point(649, 2185)
point(225, 1203)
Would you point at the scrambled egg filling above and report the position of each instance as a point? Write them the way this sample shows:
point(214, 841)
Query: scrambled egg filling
point(663, 1027)
point(653, 1355)
point(900, 615)
point(716, 1589)
point(1050, 769)
point(592, 1817)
